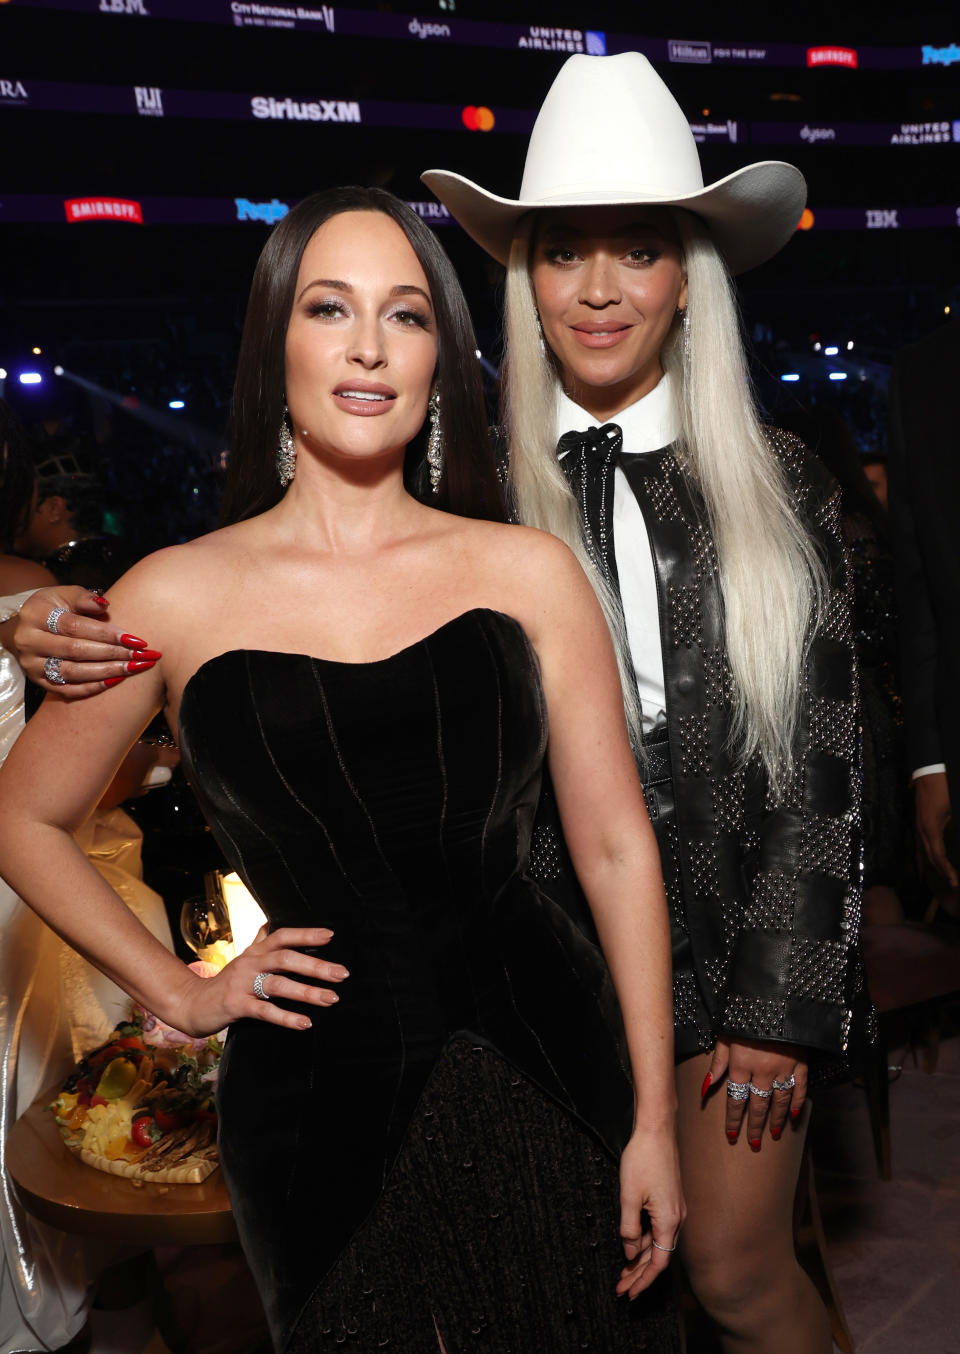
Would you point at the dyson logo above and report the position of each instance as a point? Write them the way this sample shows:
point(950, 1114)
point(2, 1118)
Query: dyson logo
point(813, 134)
point(428, 30)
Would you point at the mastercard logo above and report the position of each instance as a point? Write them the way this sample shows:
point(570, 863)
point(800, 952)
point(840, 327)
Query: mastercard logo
point(806, 220)
point(477, 119)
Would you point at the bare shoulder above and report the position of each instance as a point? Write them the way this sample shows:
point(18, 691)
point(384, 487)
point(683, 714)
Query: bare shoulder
point(529, 556)
point(166, 588)
point(19, 575)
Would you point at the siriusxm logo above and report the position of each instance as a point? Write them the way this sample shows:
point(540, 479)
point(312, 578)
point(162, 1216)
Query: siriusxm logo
point(694, 53)
point(268, 212)
point(428, 30)
point(941, 56)
point(326, 110)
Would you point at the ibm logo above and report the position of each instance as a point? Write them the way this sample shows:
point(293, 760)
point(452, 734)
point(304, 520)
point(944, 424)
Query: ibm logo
point(883, 219)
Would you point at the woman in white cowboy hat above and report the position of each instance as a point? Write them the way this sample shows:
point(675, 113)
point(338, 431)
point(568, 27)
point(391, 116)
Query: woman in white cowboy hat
point(715, 553)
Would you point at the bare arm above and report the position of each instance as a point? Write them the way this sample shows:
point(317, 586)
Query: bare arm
point(57, 771)
point(617, 861)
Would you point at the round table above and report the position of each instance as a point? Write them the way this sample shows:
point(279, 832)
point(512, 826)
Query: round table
point(56, 1187)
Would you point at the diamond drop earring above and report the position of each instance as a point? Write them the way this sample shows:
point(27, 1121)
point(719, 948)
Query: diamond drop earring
point(435, 442)
point(286, 452)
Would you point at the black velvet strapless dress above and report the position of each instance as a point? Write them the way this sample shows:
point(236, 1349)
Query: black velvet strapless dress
point(440, 1150)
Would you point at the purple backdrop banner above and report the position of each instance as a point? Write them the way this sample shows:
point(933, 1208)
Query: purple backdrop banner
point(443, 29)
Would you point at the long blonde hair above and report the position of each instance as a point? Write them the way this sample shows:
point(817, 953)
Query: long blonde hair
point(772, 577)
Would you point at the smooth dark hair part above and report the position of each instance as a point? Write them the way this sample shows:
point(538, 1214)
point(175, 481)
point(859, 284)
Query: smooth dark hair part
point(16, 476)
point(470, 485)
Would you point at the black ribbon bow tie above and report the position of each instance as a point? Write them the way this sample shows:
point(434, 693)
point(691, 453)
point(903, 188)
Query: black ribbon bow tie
point(588, 463)
point(603, 443)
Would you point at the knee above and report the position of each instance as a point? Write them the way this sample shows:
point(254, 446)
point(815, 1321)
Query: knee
point(729, 1280)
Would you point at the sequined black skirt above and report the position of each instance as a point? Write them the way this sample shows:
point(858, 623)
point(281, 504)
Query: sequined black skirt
point(497, 1227)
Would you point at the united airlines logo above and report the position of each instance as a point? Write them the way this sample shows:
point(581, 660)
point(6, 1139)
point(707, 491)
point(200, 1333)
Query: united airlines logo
point(293, 110)
point(149, 101)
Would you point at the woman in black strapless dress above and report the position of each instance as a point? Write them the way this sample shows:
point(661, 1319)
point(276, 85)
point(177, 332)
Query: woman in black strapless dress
point(432, 1160)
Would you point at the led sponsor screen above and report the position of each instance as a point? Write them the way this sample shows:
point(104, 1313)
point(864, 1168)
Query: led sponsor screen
point(332, 21)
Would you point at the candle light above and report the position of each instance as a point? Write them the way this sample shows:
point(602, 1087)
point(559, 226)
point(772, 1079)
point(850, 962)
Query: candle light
point(244, 912)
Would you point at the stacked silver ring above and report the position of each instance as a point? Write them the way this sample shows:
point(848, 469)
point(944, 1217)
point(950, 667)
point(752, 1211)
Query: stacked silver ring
point(258, 987)
point(786, 1085)
point(738, 1090)
point(51, 670)
point(54, 617)
point(757, 1090)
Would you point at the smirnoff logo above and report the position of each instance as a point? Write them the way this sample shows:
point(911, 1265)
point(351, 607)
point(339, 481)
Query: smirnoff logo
point(103, 209)
point(832, 56)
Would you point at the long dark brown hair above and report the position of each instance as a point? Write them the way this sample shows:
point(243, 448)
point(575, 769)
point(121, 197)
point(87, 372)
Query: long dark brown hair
point(469, 485)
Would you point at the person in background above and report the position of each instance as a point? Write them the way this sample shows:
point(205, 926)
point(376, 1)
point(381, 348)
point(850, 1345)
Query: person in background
point(875, 468)
point(716, 549)
point(924, 471)
point(63, 529)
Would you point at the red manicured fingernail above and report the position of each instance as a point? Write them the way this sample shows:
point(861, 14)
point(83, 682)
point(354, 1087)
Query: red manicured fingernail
point(775, 1133)
point(794, 1114)
point(732, 1135)
point(132, 642)
point(151, 654)
point(138, 665)
point(706, 1084)
point(101, 601)
point(755, 1144)
point(112, 681)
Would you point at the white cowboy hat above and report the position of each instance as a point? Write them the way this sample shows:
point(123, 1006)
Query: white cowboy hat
point(610, 132)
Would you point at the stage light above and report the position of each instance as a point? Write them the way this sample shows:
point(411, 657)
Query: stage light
point(817, 347)
point(3, 373)
point(849, 345)
point(946, 310)
point(30, 378)
point(36, 351)
point(838, 376)
point(58, 371)
point(831, 351)
point(176, 404)
point(790, 376)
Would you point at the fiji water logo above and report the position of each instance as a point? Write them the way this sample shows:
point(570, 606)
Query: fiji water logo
point(149, 101)
point(267, 212)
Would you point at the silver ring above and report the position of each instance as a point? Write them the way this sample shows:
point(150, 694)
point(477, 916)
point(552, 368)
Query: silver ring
point(738, 1090)
point(668, 1249)
point(54, 617)
point(51, 670)
point(756, 1090)
point(258, 987)
point(786, 1085)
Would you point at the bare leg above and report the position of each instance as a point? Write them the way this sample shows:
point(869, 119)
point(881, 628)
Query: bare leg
point(737, 1242)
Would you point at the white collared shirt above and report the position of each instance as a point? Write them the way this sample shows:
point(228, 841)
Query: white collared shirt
point(650, 424)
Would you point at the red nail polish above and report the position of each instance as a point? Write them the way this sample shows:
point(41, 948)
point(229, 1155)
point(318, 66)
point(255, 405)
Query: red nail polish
point(732, 1135)
point(137, 665)
point(755, 1144)
point(151, 654)
point(101, 601)
point(775, 1133)
point(794, 1114)
point(112, 681)
point(132, 642)
point(708, 1079)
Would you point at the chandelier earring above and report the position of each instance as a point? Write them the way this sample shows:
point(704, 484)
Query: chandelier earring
point(286, 452)
point(684, 316)
point(435, 442)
